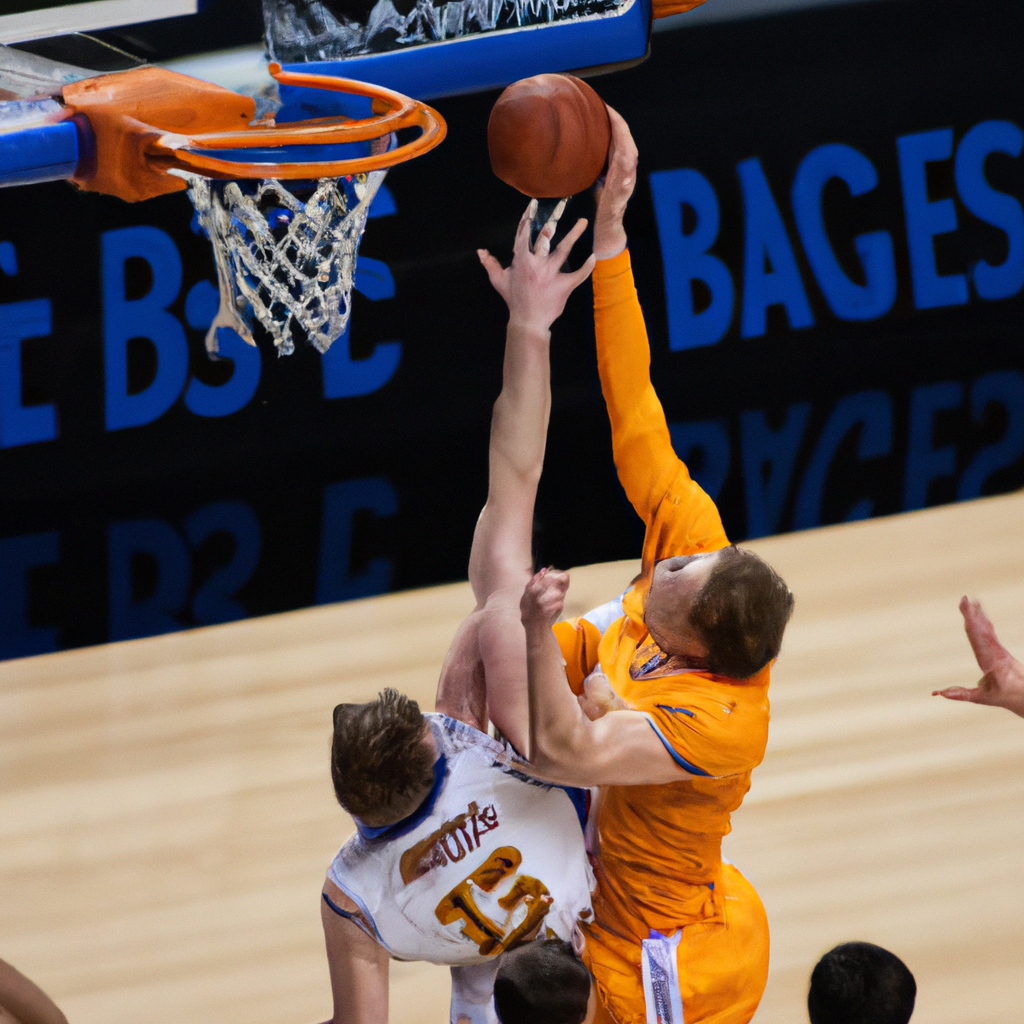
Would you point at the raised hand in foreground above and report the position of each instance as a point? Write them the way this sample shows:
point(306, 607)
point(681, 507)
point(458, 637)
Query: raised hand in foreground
point(1002, 685)
point(534, 286)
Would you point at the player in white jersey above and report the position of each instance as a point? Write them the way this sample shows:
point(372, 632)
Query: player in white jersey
point(458, 856)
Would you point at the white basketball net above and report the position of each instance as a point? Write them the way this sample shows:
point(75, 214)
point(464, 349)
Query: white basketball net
point(283, 260)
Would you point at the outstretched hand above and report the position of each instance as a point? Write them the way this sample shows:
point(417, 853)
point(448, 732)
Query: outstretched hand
point(544, 598)
point(534, 287)
point(1002, 685)
point(614, 193)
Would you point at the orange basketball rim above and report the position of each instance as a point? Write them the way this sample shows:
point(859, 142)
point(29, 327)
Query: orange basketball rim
point(150, 121)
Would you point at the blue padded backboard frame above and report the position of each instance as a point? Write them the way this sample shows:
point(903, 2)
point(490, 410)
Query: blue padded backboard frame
point(43, 153)
point(489, 60)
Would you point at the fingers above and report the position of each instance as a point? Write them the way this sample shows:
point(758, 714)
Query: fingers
point(577, 277)
point(522, 242)
point(495, 272)
point(544, 596)
point(982, 635)
point(490, 264)
point(958, 693)
point(564, 247)
point(622, 150)
point(543, 244)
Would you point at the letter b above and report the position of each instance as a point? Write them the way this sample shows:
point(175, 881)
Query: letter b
point(685, 259)
point(147, 317)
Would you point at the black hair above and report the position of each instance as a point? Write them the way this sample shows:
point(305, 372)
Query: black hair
point(859, 983)
point(542, 982)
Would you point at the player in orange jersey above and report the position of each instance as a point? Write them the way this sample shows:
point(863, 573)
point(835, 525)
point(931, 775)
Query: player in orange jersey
point(677, 934)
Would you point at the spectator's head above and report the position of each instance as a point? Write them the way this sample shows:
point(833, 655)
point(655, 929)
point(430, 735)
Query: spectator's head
point(542, 983)
point(725, 609)
point(382, 758)
point(858, 983)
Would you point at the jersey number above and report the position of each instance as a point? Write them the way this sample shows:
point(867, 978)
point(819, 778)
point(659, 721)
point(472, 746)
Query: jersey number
point(491, 937)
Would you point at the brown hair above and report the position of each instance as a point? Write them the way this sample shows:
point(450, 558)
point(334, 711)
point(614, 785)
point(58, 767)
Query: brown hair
point(741, 613)
point(379, 761)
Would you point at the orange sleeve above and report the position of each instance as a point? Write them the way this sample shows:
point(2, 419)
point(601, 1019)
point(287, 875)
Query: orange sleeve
point(707, 733)
point(648, 467)
point(578, 641)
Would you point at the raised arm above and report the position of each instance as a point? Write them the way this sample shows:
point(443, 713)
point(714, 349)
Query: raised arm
point(484, 675)
point(620, 748)
point(535, 290)
point(642, 446)
point(1002, 684)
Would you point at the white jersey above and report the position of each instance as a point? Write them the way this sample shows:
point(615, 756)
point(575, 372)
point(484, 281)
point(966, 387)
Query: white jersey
point(496, 857)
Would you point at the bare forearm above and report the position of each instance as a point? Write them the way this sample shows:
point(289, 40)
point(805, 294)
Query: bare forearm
point(558, 726)
point(609, 233)
point(521, 412)
point(23, 998)
point(502, 542)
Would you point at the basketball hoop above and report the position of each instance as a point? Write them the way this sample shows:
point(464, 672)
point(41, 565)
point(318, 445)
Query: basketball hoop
point(285, 255)
point(285, 233)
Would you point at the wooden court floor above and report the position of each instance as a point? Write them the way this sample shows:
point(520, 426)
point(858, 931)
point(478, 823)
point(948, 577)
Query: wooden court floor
point(166, 814)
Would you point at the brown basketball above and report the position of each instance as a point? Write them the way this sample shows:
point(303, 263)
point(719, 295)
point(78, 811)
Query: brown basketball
point(548, 136)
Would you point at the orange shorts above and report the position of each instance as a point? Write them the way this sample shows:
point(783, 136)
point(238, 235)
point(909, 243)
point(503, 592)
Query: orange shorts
point(721, 963)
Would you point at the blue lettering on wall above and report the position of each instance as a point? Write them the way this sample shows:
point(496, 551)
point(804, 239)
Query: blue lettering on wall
point(768, 460)
point(848, 300)
point(8, 259)
point(872, 412)
point(201, 306)
point(766, 245)
point(993, 207)
point(685, 259)
point(704, 447)
point(925, 219)
point(925, 462)
point(215, 602)
point(1005, 388)
point(146, 317)
point(21, 424)
point(18, 557)
point(131, 615)
point(335, 579)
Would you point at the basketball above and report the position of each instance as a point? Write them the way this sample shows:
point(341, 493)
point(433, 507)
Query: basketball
point(548, 136)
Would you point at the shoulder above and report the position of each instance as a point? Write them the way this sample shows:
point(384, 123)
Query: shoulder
point(718, 726)
point(455, 736)
point(687, 520)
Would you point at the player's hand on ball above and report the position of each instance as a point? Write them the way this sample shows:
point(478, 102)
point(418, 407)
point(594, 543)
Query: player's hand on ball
point(544, 598)
point(534, 287)
point(614, 193)
point(1002, 685)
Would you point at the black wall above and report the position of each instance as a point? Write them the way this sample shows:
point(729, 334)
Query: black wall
point(807, 418)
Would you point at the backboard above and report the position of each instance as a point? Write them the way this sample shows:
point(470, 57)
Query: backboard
point(462, 46)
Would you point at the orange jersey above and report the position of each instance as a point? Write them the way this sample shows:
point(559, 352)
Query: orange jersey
point(660, 846)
